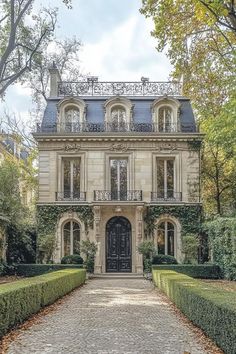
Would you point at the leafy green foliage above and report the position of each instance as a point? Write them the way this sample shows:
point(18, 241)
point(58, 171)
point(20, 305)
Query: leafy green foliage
point(202, 271)
point(222, 241)
point(47, 218)
point(200, 38)
point(72, 259)
point(147, 249)
point(89, 249)
point(196, 299)
point(31, 270)
point(21, 244)
point(189, 217)
point(163, 259)
point(190, 246)
point(21, 299)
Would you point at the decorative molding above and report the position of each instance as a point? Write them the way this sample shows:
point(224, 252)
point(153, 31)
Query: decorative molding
point(119, 147)
point(72, 147)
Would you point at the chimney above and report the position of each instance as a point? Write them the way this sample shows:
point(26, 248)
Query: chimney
point(55, 79)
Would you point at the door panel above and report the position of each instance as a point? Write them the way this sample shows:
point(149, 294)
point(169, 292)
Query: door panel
point(118, 245)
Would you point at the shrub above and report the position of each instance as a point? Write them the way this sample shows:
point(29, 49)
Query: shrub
point(203, 271)
point(222, 243)
point(72, 259)
point(164, 259)
point(31, 270)
point(210, 308)
point(190, 246)
point(21, 299)
point(89, 249)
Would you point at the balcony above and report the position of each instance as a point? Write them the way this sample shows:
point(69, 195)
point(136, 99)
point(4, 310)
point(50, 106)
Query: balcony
point(144, 87)
point(71, 196)
point(166, 196)
point(104, 196)
point(114, 128)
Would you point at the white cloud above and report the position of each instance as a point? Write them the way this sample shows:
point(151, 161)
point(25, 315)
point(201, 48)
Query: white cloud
point(126, 53)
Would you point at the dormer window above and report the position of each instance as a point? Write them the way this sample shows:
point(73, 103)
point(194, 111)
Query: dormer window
point(72, 119)
point(165, 119)
point(165, 115)
point(118, 114)
point(72, 115)
point(118, 119)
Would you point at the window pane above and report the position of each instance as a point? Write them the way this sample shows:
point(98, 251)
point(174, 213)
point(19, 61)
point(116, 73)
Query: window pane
point(67, 178)
point(66, 235)
point(123, 178)
point(170, 178)
point(168, 119)
point(72, 118)
point(118, 119)
point(161, 119)
point(161, 238)
point(118, 179)
point(160, 178)
point(170, 239)
point(114, 178)
point(76, 238)
point(76, 178)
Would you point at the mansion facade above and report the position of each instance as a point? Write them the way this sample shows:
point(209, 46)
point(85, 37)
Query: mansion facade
point(117, 159)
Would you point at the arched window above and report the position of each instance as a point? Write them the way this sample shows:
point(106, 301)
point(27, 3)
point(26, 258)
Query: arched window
point(71, 238)
point(166, 238)
point(118, 119)
point(118, 114)
point(72, 119)
point(165, 119)
point(165, 114)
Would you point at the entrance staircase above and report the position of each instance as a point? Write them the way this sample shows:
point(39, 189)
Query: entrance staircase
point(118, 276)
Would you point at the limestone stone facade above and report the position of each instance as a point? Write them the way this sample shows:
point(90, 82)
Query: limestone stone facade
point(118, 170)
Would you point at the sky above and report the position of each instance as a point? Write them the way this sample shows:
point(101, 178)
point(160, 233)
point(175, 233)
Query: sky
point(117, 45)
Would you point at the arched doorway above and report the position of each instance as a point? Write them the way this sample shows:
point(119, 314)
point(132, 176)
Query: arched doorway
point(118, 245)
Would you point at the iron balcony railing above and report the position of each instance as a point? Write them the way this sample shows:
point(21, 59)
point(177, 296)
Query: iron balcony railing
point(121, 128)
point(166, 196)
point(105, 195)
point(72, 196)
point(92, 87)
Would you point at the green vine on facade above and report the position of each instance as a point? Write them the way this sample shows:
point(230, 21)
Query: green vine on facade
point(189, 217)
point(47, 219)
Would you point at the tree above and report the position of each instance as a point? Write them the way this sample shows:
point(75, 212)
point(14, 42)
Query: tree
point(10, 200)
point(23, 35)
point(200, 38)
point(64, 54)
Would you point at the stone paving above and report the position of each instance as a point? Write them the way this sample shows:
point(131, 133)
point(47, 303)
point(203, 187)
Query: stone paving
point(110, 316)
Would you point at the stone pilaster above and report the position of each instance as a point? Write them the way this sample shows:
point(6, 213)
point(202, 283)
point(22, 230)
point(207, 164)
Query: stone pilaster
point(97, 221)
point(139, 237)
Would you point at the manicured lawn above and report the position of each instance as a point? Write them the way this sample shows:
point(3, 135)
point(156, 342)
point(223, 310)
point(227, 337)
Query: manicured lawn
point(222, 284)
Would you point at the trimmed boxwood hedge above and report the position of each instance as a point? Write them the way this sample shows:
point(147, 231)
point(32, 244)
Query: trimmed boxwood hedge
point(203, 271)
point(210, 308)
point(21, 299)
point(31, 270)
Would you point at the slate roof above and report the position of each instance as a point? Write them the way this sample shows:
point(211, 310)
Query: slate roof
point(141, 113)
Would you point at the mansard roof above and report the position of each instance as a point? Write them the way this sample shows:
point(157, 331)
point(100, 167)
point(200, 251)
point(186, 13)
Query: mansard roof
point(142, 110)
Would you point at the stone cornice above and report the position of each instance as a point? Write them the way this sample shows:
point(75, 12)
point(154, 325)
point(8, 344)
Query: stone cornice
point(104, 137)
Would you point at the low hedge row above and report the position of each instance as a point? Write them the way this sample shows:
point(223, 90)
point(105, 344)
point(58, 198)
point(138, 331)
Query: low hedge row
point(31, 270)
point(203, 271)
point(208, 307)
point(21, 299)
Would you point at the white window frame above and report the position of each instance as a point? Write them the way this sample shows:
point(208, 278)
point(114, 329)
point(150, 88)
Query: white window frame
point(165, 221)
point(71, 236)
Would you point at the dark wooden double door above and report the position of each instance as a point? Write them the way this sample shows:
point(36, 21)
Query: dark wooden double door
point(118, 245)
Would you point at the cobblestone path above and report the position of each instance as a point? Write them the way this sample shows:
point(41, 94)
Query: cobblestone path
point(110, 316)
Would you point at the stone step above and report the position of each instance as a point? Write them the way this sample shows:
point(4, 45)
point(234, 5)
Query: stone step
point(118, 275)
